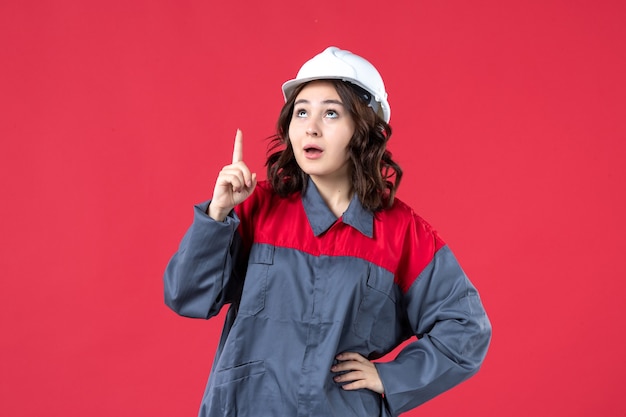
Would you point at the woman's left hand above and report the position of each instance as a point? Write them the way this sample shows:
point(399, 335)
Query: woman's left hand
point(359, 373)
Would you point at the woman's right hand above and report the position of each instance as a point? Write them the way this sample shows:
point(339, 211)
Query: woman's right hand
point(234, 184)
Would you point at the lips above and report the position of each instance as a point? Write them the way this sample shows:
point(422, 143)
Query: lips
point(312, 151)
point(312, 148)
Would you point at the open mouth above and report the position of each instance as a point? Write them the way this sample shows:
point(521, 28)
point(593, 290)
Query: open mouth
point(312, 150)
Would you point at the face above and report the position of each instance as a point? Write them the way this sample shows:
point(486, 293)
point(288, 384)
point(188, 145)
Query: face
point(320, 131)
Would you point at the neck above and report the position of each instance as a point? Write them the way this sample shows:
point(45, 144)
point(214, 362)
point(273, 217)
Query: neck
point(335, 193)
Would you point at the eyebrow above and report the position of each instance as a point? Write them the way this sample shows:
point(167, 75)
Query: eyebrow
point(330, 101)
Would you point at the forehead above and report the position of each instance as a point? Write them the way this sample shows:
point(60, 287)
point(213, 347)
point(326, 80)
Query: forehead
point(319, 89)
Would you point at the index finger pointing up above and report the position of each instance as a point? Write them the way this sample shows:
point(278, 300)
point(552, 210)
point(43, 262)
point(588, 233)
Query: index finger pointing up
point(238, 149)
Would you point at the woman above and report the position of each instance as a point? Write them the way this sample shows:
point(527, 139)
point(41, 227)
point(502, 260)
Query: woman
point(323, 268)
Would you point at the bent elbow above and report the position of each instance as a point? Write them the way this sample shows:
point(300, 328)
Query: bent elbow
point(175, 302)
point(179, 301)
point(465, 344)
point(478, 344)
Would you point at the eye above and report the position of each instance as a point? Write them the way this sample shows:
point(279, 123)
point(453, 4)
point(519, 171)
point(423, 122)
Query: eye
point(300, 113)
point(332, 114)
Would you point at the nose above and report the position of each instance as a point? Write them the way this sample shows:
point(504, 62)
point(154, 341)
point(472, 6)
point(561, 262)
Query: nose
point(312, 129)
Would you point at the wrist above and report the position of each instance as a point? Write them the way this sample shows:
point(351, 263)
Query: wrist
point(217, 213)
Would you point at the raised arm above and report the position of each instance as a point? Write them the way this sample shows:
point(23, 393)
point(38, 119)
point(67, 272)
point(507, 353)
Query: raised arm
point(206, 272)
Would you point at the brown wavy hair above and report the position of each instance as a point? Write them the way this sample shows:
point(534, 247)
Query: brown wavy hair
point(375, 175)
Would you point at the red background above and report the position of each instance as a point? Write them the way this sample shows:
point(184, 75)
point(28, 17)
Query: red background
point(116, 116)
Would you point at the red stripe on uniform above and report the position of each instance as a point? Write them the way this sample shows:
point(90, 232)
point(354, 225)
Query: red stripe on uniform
point(403, 243)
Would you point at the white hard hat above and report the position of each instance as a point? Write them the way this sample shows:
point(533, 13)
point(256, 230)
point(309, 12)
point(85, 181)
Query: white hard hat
point(337, 64)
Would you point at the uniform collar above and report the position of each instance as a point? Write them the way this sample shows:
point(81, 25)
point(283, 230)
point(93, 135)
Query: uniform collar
point(321, 218)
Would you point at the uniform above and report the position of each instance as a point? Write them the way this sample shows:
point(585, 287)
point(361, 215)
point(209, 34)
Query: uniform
point(304, 286)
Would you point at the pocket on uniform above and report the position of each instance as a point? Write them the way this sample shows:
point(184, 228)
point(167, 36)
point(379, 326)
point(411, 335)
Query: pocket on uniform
point(375, 321)
point(240, 391)
point(255, 284)
point(235, 373)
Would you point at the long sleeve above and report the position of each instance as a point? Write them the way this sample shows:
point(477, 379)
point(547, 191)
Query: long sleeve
point(201, 276)
point(446, 314)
